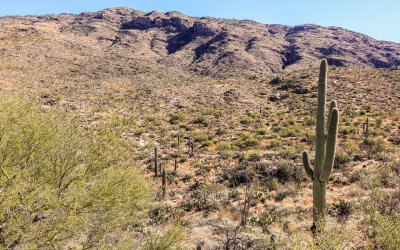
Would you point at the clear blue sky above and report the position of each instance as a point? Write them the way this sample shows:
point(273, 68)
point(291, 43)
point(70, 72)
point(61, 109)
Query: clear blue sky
point(379, 19)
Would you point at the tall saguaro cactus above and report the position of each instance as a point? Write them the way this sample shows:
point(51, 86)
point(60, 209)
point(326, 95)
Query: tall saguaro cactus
point(325, 149)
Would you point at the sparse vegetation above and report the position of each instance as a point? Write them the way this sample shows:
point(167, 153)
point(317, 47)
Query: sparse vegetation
point(79, 167)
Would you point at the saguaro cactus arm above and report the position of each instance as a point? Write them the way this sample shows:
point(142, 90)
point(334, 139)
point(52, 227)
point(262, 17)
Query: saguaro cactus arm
point(331, 107)
point(330, 145)
point(307, 165)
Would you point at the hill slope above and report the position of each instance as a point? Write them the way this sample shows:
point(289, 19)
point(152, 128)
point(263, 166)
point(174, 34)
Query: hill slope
point(206, 45)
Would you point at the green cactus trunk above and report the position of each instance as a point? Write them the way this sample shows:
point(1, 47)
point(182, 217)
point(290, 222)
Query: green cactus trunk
point(325, 150)
point(175, 166)
point(319, 201)
point(155, 161)
point(164, 182)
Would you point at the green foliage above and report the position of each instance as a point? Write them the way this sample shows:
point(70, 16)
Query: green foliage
point(348, 150)
point(246, 140)
point(276, 143)
point(61, 185)
point(178, 117)
point(246, 120)
point(285, 171)
point(387, 232)
point(290, 131)
point(262, 131)
point(384, 228)
point(202, 120)
point(253, 156)
point(171, 238)
point(221, 131)
point(207, 143)
point(200, 136)
point(224, 146)
point(333, 237)
point(376, 148)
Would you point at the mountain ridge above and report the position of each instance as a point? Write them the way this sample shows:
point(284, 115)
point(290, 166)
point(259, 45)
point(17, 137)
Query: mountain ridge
point(215, 46)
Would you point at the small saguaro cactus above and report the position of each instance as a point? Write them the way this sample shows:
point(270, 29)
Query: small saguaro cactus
point(325, 150)
point(366, 128)
point(155, 161)
point(179, 139)
point(164, 182)
point(175, 165)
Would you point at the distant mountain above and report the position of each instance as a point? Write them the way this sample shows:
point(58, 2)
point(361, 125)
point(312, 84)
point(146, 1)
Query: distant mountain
point(206, 45)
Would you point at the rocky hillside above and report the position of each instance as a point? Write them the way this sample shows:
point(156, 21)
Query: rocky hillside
point(211, 46)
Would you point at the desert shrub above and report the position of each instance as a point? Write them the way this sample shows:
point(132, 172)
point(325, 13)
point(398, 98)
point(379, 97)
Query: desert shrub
point(283, 194)
point(140, 131)
point(309, 136)
point(289, 153)
point(395, 139)
point(347, 131)
point(389, 204)
point(246, 140)
point(253, 156)
point(387, 232)
point(170, 238)
point(343, 209)
point(272, 184)
point(350, 147)
point(200, 136)
point(207, 143)
point(266, 219)
point(389, 128)
point(186, 127)
point(341, 157)
point(309, 120)
point(246, 120)
point(221, 131)
point(62, 185)
point(333, 237)
point(224, 146)
point(347, 151)
point(292, 130)
point(177, 117)
point(285, 170)
point(375, 148)
point(384, 228)
point(368, 108)
point(203, 197)
point(276, 143)
point(202, 120)
point(262, 131)
point(239, 175)
point(350, 111)
point(377, 132)
point(253, 115)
